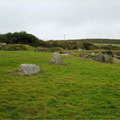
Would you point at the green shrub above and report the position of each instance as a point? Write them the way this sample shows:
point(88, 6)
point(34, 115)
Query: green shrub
point(52, 49)
point(2, 45)
point(111, 60)
point(41, 49)
point(116, 52)
point(56, 49)
point(110, 47)
point(89, 46)
point(17, 47)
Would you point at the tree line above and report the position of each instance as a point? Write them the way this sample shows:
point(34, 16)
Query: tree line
point(29, 39)
point(21, 38)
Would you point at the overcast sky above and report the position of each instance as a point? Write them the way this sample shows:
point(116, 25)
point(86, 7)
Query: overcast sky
point(51, 19)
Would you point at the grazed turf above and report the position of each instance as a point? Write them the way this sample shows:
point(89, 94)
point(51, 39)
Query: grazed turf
point(78, 89)
point(102, 44)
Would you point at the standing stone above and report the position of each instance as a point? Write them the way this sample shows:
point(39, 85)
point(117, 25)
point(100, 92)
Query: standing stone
point(28, 69)
point(56, 58)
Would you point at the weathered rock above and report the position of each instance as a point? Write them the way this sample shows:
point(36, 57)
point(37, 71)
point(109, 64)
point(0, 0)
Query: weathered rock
point(99, 57)
point(102, 58)
point(56, 58)
point(92, 54)
point(18, 48)
point(3, 44)
point(80, 49)
point(84, 56)
point(106, 59)
point(110, 53)
point(116, 56)
point(28, 69)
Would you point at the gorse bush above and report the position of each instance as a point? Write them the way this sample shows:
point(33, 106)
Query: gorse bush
point(17, 47)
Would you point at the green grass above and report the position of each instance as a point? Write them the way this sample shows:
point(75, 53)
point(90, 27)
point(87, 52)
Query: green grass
point(103, 44)
point(78, 89)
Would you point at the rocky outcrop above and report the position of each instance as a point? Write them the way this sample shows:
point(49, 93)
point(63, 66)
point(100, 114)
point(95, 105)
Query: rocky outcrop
point(97, 57)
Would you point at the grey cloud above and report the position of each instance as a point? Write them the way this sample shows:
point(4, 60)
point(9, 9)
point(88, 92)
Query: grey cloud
point(50, 19)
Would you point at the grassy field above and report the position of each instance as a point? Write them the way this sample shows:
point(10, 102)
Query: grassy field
point(78, 89)
point(103, 44)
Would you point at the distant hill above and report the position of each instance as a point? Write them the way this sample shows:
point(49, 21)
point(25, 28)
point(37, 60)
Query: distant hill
point(99, 40)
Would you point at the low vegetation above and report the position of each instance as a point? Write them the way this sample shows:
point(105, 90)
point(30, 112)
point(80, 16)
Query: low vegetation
point(17, 47)
point(31, 40)
point(52, 49)
point(21, 38)
point(77, 89)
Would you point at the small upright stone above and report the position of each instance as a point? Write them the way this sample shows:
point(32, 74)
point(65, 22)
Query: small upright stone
point(28, 69)
point(56, 58)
